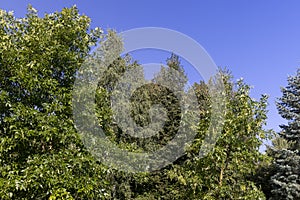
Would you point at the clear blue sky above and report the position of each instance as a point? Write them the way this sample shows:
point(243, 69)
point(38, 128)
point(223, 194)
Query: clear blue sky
point(256, 40)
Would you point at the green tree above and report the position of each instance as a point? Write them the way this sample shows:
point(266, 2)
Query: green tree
point(285, 180)
point(41, 155)
point(288, 108)
point(266, 168)
point(226, 171)
point(142, 98)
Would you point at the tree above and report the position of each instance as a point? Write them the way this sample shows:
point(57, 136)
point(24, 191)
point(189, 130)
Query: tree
point(289, 109)
point(41, 155)
point(266, 168)
point(285, 180)
point(225, 173)
point(142, 99)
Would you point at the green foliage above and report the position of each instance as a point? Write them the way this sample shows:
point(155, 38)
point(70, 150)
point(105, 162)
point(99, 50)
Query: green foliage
point(41, 155)
point(225, 173)
point(288, 108)
point(284, 180)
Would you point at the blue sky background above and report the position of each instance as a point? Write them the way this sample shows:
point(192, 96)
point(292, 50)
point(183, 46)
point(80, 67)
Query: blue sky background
point(256, 40)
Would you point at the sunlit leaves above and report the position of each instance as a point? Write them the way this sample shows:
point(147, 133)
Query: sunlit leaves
point(41, 155)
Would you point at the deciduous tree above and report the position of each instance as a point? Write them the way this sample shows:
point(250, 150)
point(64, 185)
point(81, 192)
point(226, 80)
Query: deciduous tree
point(41, 155)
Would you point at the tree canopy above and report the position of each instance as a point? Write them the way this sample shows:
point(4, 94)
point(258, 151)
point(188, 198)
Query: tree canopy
point(42, 155)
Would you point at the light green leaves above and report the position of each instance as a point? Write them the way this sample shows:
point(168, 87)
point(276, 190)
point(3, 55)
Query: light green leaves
point(41, 155)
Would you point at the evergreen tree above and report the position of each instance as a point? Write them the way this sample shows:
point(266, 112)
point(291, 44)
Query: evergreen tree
point(289, 109)
point(285, 182)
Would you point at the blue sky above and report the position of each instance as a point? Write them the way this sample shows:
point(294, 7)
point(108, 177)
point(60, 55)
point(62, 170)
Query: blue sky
point(256, 40)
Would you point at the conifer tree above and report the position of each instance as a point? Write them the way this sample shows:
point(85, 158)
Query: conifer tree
point(285, 182)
